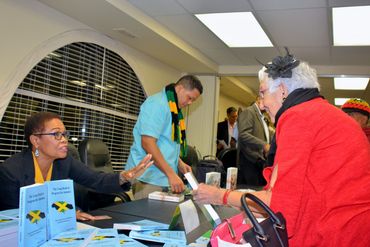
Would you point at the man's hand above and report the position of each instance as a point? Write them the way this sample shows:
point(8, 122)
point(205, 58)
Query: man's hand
point(177, 185)
point(183, 167)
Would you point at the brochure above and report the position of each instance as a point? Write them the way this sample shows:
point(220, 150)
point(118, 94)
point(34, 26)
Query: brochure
point(176, 237)
point(208, 207)
point(32, 215)
point(74, 238)
point(126, 241)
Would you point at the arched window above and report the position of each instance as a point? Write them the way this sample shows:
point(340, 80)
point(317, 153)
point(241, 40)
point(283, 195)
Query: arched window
point(95, 91)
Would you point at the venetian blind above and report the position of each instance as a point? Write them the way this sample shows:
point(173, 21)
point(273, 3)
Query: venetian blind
point(93, 89)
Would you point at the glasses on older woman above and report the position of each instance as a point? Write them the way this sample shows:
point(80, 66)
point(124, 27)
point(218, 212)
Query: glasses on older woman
point(57, 135)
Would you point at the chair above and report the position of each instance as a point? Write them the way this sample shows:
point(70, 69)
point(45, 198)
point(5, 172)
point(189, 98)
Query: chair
point(228, 157)
point(95, 154)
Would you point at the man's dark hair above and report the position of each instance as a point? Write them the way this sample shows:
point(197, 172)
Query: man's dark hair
point(230, 110)
point(36, 123)
point(190, 82)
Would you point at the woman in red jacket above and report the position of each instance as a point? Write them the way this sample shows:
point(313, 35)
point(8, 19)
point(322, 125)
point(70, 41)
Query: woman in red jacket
point(320, 173)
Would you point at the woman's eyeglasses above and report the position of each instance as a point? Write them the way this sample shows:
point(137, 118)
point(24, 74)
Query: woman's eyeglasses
point(57, 135)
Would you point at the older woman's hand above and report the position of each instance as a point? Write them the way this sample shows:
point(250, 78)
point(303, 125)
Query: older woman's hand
point(208, 194)
point(138, 170)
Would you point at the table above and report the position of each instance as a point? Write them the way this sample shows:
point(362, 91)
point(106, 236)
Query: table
point(160, 211)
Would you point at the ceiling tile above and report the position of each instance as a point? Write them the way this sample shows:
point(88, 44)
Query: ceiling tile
point(304, 27)
point(351, 55)
point(249, 56)
point(222, 56)
point(345, 3)
point(215, 6)
point(312, 55)
point(189, 28)
point(159, 7)
point(286, 4)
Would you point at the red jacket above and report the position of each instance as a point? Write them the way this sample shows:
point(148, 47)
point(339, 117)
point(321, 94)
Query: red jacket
point(323, 183)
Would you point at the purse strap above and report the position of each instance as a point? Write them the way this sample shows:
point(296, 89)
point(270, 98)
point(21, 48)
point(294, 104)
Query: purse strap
point(257, 227)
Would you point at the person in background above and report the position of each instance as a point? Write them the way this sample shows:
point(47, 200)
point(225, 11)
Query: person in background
point(359, 110)
point(227, 131)
point(254, 138)
point(320, 178)
point(46, 158)
point(160, 130)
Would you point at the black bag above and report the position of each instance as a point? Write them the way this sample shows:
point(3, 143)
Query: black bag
point(269, 233)
point(210, 163)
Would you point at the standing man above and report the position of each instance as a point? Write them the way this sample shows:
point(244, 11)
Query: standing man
point(160, 130)
point(227, 131)
point(253, 145)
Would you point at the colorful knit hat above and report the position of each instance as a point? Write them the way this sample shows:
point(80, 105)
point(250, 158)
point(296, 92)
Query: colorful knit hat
point(356, 105)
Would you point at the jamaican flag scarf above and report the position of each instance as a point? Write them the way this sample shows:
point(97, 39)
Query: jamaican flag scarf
point(178, 123)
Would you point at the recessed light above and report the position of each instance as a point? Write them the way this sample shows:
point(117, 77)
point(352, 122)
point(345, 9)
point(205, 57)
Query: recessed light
point(351, 25)
point(237, 29)
point(340, 101)
point(348, 83)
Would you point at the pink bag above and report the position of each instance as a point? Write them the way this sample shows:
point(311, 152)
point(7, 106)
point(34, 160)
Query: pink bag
point(230, 230)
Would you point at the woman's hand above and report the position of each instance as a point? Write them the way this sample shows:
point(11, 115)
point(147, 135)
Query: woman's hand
point(206, 194)
point(138, 170)
point(82, 216)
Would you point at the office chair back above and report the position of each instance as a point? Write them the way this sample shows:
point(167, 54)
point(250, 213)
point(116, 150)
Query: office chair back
point(228, 157)
point(95, 154)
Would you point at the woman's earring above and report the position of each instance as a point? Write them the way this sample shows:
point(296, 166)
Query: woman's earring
point(37, 152)
point(284, 98)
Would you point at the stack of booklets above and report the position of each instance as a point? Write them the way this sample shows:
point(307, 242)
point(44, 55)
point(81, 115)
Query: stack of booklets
point(44, 211)
point(160, 236)
point(166, 196)
point(141, 225)
point(9, 227)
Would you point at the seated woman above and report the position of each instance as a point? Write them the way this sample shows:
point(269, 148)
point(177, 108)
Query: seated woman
point(46, 159)
point(320, 178)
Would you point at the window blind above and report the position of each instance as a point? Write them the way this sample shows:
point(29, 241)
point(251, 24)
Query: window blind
point(93, 89)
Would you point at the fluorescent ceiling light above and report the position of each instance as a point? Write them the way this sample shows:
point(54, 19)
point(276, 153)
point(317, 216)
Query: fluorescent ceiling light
point(346, 83)
point(340, 101)
point(351, 26)
point(238, 29)
point(102, 87)
point(78, 82)
point(53, 54)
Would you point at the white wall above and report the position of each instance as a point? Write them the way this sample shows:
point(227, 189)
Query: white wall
point(202, 117)
point(226, 102)
point(30, 30)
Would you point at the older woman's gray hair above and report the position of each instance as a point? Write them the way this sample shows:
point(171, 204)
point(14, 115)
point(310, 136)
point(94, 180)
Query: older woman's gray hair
point(303, 76)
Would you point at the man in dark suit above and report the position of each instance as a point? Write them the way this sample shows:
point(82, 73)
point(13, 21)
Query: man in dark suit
point(253, 144)
point(227, 131)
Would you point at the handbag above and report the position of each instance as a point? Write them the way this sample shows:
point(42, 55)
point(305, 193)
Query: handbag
point(269, 233)
point(230, 230)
